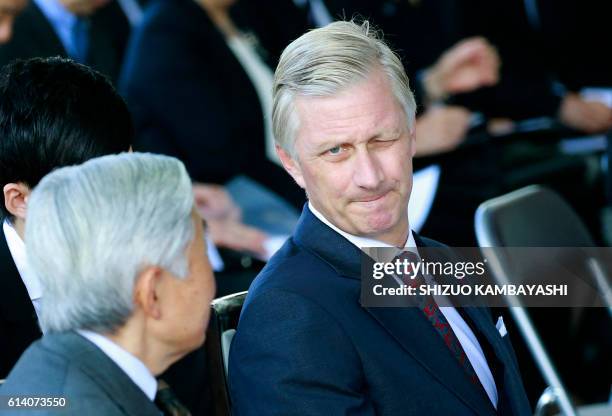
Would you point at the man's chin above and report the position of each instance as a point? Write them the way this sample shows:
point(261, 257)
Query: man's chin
point(375, 227)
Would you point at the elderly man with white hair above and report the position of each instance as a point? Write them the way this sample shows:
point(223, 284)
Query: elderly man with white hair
point(119, 250)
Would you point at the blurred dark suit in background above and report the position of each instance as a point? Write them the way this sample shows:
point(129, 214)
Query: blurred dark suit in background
point(192, 99)
point(34, 36)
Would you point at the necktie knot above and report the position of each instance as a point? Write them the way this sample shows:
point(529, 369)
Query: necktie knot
point(167, 401)
point(408, 262)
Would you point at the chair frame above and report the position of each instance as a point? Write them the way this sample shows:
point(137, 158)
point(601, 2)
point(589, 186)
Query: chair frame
point(519, 313)
point(219, 322)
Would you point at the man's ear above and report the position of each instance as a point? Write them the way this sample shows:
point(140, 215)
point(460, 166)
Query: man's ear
point(16, 199)
point(291, 166)
point(146, 291)
point(413, 146)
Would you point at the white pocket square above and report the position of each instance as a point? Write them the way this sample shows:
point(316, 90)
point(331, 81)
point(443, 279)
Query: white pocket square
point(501, 327)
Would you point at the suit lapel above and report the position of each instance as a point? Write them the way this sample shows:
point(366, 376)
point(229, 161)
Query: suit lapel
point(41, 32)
point(406, 325)
point(323, 242)
point(419, 339)
point(107, 375)
point(509, 381)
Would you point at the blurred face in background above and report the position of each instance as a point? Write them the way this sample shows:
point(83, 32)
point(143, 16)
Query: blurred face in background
point(216, 4)
point(83, 7)
point(9, 9)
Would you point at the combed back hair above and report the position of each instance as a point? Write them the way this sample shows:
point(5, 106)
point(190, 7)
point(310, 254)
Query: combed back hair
point(92, 228)
point(323, 62)
point(55, 112)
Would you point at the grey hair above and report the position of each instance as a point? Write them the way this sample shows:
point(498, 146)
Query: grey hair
point(92, 228)
point(325, 61)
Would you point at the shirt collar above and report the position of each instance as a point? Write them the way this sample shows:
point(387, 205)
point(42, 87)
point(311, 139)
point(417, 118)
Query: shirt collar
point(56, 12)
point(18, 252)
point(132, 366)
point(362, 242)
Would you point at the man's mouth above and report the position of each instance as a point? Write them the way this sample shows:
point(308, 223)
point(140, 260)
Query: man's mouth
point(372, 198)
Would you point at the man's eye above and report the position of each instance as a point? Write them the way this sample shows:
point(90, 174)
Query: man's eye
point(335, 150)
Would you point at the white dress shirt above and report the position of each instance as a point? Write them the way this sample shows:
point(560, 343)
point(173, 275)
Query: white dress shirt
point(132, 366)
point(262, 78)
point(464, 334)
point(17, 249)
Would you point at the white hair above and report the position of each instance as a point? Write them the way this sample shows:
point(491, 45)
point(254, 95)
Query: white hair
point(91, 229)
point(325, 61)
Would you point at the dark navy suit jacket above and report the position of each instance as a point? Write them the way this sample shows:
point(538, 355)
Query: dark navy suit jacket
point(191, 98)
point(34, 36)
point(305, 345)
point(18, 321)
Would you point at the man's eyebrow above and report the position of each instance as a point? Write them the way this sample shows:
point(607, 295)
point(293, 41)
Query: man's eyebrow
point(332, 141)
point(388, 133)
point(329, 142)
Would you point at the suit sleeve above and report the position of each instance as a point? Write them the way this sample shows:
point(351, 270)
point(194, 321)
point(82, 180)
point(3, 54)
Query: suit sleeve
point(289, 356)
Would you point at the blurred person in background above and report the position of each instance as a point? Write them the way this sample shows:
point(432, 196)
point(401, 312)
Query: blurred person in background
point(192, 54)
point(9, 10)
point(198, 83)
point(562, 43)
point(536, 40)
point(135, 302)
point(92, 32)
point(53, 113)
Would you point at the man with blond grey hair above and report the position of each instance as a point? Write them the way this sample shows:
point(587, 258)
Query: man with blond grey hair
point(344, 121)
point(119, 250)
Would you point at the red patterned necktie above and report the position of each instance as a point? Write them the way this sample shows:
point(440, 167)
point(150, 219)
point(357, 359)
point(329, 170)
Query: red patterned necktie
point(432, 312)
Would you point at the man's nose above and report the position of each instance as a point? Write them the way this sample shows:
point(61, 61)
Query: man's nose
point(368, 172)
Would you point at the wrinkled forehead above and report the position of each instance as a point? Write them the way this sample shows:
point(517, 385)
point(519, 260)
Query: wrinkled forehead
point(356, 113)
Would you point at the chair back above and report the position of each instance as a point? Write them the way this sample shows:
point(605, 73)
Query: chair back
point(225, 313)
point(533, 216)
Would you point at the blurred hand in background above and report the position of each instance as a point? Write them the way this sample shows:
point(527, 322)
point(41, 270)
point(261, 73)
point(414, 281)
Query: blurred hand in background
point(583, 115)
point(441, 129)
point(470, 64)
point(223, 217)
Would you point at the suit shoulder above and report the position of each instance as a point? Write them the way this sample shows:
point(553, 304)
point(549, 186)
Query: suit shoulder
point(39, 370)
point(291, 266)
